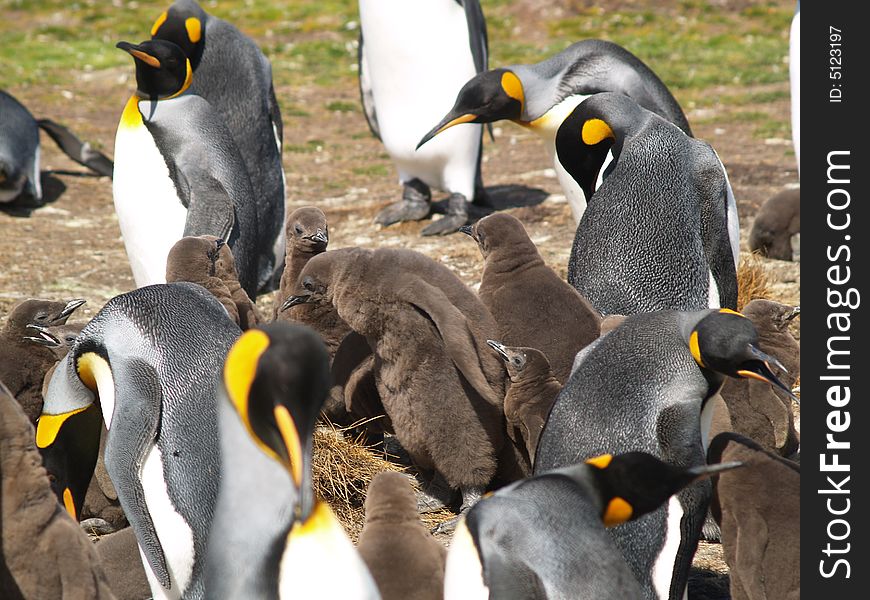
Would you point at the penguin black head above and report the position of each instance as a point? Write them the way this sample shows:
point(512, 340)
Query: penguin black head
point(307, 230)
point(162, 69)
point(277, 378)
point(183, 24)
point(727, 342)
point(489, 96)
point(635, 483)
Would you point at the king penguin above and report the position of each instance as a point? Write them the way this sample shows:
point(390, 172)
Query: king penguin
point(147, 360)
point(544, 537)
point(235, 77)
point(645, 386)
point(540, 96)
point(273, 384)
point(178, 171)
point(661, 232)
point(20, 149)
point(413, 59)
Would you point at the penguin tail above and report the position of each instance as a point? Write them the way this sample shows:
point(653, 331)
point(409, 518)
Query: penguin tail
point(76, 149)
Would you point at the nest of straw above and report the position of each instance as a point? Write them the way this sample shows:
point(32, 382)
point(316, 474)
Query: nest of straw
point(753, 281)
point(343, 466)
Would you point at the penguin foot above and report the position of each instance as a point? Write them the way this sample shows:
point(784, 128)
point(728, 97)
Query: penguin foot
point(427, 503)
point(97, 526)
point(448, 526)
point(434, 495)
point(404, 210)
point(456, 217)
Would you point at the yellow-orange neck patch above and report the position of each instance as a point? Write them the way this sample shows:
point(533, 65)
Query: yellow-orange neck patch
point(618, 511)
point(160, 21)
point(594, 131)
point(600, 461)
point(290, 435)
point(188, 78)
point(695, 349)
point(194, 29)
point(240, 369)
point(49, 426)
point(69, 504)
point(728, 311)
point(131, 117)
point(513, 87)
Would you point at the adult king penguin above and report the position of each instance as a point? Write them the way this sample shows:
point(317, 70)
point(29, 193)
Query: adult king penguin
point(178, 171)
point(544, 537)
point(273, 384)
point(645, 386)
point(148, 359)
point(661, 231)
point(413, 58)
point(235, 77)
point(540, 96)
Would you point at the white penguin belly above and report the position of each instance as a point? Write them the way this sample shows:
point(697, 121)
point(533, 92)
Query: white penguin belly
point(663, 568)
point(463, 574)
point(173, 532)
point(150, 214)
point(418, 58)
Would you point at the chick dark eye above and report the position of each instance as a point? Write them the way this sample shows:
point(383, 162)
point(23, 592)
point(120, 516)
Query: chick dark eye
point(41, 317)
point(299, 230)
point(308, 286)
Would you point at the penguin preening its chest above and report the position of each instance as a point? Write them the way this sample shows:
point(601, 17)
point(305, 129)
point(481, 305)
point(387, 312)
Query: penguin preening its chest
point(178, 171)
point(661, 232)
point(147, 360)
point(273, 383)
point(540, 96)
point(413, 59)
point(544, 537)
point(235, 77)
point(645, 386)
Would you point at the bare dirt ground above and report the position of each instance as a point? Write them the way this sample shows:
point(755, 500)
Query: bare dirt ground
point(72, 247)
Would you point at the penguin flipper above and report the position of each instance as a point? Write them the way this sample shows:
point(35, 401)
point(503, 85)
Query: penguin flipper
point(351, 352)
point(509, 577)
point(275, 113)
point(132, 435)
point(453, 328)
point(79, 151)
point(365, 90)
point(477, 36)
point(209, 209)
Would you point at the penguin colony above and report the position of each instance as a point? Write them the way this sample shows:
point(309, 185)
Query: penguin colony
point(569, 425)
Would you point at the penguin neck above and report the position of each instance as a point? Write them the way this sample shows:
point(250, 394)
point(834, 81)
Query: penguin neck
point(534, 387)
point(296, 261)
point(512, 258)
point(547, 125)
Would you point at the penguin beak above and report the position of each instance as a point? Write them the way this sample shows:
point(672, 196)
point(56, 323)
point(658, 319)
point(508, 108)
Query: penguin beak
point(468, 230)
point(759, 368)
point(298, 446)
point(219, 243)
point(795, 312)
point(46, 338)
point(319, 236)
point(447, 122)
point(704, 471)
point(69, 309)
point(500, 349)
point(294, 300)
point(139, 54)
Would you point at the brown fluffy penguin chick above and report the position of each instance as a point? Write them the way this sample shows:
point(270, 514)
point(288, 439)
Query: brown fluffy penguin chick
point(406, 561)
point(308, 236)
point(225, 268)
point(533, 389)
point(193, 259)
point(778, 219)
point(754, 409)
point(758, 510)
point(45, 554)
point(442, 388)
point(24, 362)
point(532, 305)
point(122, 563)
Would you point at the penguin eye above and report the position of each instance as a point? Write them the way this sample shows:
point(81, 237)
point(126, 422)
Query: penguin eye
point(298, 229)
point(308, 285)
point(70, 339)
point(40, 316)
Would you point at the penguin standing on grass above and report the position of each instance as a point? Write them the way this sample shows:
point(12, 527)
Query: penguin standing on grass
point(147, 360)
point(413, 59)
point(541, 96)
point(645, 386)
point(235, 77)
point(178, 171)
